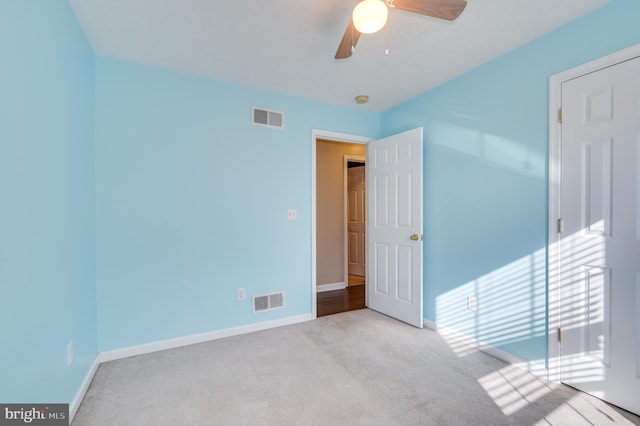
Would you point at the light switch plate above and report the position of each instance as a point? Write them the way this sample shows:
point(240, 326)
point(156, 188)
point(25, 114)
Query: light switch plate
point(292, 214)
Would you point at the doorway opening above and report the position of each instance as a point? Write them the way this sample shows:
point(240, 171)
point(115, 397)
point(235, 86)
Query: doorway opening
point(395, 271)
point(340, 237)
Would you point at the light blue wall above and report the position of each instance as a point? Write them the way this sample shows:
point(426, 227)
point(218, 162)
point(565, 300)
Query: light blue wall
point(47, 213)
point(192, 202)
point(186, 201)
point(486, 143)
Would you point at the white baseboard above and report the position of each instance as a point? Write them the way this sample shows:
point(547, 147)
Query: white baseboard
point(170, 344)
point(77, 400)
point(198, 338)
point(430, 324)
point(532, 367)
point(330, 287)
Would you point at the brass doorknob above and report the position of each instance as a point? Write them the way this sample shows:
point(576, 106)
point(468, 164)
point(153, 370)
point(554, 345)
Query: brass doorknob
point(414, 237)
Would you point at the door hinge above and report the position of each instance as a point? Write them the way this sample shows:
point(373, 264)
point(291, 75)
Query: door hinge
point(559, 334)
point(560, 226)
point(560, 115)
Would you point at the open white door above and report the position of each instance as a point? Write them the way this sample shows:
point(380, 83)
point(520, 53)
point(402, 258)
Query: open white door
point(394, 226)
point(599, 248)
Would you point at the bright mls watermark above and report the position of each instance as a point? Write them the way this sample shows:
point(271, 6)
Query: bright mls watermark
point(35, 414)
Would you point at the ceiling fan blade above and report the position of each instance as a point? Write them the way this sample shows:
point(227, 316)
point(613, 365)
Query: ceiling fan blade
point(443, 9)
point(349, 40)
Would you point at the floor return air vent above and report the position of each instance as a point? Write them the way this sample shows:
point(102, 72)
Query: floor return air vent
point(268, 302)
point(267, 117)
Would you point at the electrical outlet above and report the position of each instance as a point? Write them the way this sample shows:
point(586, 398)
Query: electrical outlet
point(69, 352)
point(240, 294)
point(292, 214)
point(472, 303)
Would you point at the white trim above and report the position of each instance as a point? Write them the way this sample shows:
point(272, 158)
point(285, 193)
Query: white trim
point(336, 137)
point(198, 338)
point(171, 344)
point(555, 202)
point(329, 287)
point(596, 65)
point(77, 400)
point(430, 324)
point(555, 131)
point(345, 182)
point(472, 343)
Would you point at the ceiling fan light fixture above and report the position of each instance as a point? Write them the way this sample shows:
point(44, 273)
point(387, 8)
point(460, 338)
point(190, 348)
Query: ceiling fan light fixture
point(369, 16)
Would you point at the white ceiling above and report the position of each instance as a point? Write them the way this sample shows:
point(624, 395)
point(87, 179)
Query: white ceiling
point(288, 46)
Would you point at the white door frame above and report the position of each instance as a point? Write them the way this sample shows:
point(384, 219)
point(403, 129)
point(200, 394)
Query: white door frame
point(334, 137)
point(555, 144)
point(345, 177)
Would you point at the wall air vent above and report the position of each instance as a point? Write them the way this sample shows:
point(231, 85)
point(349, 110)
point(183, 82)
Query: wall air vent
point(268, 302)
point(267, 117)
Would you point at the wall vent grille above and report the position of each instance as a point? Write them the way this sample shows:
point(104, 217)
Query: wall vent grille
point(268, 302)
point(267, 117)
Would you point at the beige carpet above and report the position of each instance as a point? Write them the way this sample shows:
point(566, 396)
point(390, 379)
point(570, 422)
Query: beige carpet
point(356, 368)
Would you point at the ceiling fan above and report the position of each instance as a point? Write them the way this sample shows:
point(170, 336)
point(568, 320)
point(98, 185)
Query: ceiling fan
point(370, 16)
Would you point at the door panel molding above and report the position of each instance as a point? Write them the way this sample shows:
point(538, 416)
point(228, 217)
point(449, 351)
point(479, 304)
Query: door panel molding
point(395, 216)
point(555, 213)
point(585, 85)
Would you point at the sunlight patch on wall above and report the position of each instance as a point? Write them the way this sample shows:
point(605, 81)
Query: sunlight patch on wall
point(511, 304)
point(508, 153)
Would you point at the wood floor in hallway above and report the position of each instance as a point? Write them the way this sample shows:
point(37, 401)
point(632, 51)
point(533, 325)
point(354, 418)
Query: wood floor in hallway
point(336, 301)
